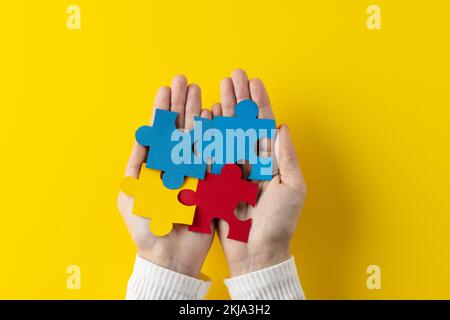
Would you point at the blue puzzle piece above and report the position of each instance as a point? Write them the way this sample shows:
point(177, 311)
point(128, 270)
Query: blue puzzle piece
point(246, 118)
point(159, 140)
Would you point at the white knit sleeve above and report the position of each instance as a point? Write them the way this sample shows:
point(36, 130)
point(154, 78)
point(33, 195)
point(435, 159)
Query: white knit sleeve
point(279, 282)
point(152, 282)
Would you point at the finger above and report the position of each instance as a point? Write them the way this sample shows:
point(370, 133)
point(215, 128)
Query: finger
point(139, 153)
point(290, 172)
point(259, 95)
point(240, 83)
point(208, 115)
point(193, 105)
point(178, 98)
point(162, 101)
point(227, 97)
point(216, 110)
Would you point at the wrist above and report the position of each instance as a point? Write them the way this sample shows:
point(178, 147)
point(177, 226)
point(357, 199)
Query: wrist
point(172, 263)
point(258, 261)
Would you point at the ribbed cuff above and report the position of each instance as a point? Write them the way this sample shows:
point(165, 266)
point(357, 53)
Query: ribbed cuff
point(279, 282)
point(152, 282)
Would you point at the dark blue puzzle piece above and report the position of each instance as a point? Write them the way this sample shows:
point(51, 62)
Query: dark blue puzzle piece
point(245, 119)
point(159, 140)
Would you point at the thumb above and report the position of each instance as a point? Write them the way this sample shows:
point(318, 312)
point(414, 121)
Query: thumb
point(137, 158)
point(290, 172)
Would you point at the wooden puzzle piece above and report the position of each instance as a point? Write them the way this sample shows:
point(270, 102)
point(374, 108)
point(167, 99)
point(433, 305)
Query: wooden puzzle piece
point(246, 118)
point(159, 140)
point(152, 200)
point(217, 197)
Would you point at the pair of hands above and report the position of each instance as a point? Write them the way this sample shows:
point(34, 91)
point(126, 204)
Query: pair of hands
point(275, 216)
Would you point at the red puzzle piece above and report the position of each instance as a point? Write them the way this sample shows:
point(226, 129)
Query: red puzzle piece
point(216, 197)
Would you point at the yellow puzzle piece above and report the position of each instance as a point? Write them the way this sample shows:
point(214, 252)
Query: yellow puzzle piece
point(154, 201)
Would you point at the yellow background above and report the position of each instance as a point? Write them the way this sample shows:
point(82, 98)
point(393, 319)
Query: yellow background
point(369, 111)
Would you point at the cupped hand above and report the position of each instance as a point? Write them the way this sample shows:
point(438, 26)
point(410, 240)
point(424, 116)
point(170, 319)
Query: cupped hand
point(181, 250)
point(275, 216)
